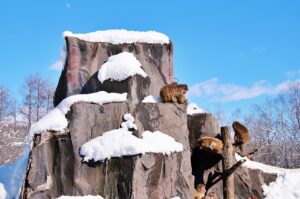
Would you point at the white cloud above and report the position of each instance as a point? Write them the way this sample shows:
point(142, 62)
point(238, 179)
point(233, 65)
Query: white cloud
point(293, 73)
point(68, 5)
point(60, 63)
point(215, 91)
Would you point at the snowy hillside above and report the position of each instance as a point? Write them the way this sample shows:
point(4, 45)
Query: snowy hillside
point(286, 185)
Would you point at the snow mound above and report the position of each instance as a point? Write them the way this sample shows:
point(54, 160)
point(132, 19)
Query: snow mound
point(121, 37)
point(3, 193)
point(287, 182)
point(151, 99)
point(121, 142)
point(119, 67)
point(286, 186)
point(263, 167)
point(56, 120)
point(192, 109)
point(80, 197)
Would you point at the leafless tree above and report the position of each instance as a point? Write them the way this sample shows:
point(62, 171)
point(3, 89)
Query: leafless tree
point(5, 102)
point(37, 94)
point(275, 129)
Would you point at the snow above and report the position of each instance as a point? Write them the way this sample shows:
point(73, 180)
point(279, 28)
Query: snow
point(80, 197)
point(287, 182)
point(18, 143)
point(286, 186)
point(119, 67)
point(263, 167)
point(56, 120)
point(121, 37)
point(193, 109)
point(128, 124)
point(3, 193)
point(151, 99)
point(120, 142)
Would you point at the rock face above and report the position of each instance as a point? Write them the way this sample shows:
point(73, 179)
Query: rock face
point(85, 58)
point(55, 157)
point(136, 87)
point(56, 168)
point(202, 124)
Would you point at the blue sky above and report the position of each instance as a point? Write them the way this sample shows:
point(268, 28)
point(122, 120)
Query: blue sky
point(231, 53)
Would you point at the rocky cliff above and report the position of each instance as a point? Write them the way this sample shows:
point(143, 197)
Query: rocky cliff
point(56, 167)
point(84, 58)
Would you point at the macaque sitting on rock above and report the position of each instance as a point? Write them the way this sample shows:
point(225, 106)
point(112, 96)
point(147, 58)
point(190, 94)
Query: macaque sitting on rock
point(174, 93)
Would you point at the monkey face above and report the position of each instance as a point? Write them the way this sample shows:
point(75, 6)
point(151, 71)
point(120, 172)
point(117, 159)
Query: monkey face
point(183, 88)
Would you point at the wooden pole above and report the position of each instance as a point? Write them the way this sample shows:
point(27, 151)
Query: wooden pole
point(227, 163)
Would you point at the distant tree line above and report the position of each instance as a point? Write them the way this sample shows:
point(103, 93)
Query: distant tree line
point(274, 127)
point(37, 96)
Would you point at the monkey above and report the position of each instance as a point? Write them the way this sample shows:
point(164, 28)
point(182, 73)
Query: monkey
point(199, 191)
point(211, 143)
point(241, 134)
point(174, 93)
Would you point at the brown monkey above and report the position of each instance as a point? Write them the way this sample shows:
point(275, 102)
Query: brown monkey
point(211, 143)
point(199, 192)
point(241, 134)
point(174, 93)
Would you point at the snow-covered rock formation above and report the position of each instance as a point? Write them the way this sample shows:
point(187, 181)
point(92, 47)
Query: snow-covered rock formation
point(85, 54)
point(91, 147)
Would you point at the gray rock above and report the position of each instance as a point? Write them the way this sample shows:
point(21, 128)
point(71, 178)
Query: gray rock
point(136, 87)
point(202, 124)
point(56, 155)
point(85, 58)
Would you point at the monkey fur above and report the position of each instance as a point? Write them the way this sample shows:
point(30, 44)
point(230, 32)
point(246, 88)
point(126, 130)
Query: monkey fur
point(211, 143)
point(174, 93)
point(241, 134)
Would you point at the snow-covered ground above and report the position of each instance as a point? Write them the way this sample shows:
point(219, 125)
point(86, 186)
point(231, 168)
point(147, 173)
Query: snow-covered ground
point(121, 142)
point(286, 185)
point(119, 67)
point(192, 108)
point(121, 36)
point(56, 120)
point(2, 191)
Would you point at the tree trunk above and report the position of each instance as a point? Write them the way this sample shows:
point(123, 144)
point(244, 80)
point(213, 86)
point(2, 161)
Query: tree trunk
point(228, 182)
